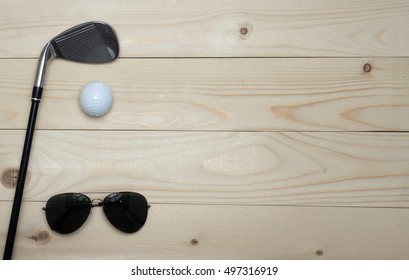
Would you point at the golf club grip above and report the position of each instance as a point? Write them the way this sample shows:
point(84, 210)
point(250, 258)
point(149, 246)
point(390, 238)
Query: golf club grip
point(15, 211)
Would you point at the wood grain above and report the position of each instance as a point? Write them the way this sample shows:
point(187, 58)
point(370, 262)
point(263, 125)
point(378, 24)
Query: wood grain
point(217, 94)
point(316, 168)
point(253, 128)
point(215, 28)
point(220, 232)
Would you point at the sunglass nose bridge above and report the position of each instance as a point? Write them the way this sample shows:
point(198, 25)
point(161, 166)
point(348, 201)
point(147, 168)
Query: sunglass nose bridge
point(97, 203)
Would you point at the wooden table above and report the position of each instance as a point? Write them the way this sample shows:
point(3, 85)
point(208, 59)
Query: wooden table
point(256, 129)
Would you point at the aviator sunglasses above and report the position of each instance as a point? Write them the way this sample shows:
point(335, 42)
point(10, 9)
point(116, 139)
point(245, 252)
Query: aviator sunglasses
point(67, 212)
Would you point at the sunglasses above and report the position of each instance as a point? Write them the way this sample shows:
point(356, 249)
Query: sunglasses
point(67, 212)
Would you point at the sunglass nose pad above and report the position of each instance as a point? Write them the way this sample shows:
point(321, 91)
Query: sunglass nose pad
point(96, 203)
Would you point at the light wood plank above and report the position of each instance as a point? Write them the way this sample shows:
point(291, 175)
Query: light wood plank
point(220, 232)
point(216, 94)
point(215, 28)
point(333, 169)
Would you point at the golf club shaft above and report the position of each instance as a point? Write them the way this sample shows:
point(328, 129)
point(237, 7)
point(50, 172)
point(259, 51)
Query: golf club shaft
point(15, 211)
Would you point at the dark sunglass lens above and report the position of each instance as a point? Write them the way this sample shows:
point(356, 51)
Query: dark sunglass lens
point(127, 211)
point(67, 212)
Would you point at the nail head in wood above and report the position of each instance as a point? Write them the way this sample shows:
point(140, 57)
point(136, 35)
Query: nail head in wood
point(367, 68)
point(244, 30)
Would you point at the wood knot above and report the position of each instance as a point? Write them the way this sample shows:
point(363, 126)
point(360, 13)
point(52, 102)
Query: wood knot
point(367, 68)
point(42, 236)
point(319, 253)
point(245, 30)
point(9, 177)
point(194, 242)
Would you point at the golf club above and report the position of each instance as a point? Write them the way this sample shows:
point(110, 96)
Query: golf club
point(90, 42)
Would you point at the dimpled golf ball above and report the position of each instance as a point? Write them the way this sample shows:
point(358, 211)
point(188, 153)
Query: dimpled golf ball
point(95, 98)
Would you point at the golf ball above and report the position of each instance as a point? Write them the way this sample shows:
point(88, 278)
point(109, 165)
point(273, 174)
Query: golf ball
point(95, 98)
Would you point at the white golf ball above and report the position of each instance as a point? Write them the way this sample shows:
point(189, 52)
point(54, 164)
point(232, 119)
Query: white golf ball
point(95, 98)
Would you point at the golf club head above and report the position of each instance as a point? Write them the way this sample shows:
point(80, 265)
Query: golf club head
point(90, 42)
